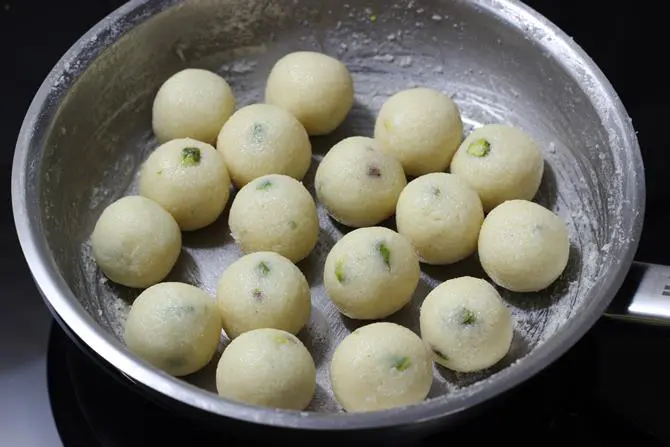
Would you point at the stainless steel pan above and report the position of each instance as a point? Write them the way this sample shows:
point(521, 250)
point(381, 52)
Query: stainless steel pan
point(88, 129)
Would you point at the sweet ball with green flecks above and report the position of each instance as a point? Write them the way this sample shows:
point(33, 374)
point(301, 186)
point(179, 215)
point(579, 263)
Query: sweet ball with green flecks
point(466, 324)
point(189, 179)
point(269, 368)
point(441, 215)
point(501, 163)
point(262, 139)
point(275, 213)
point(371, 273)
point(263, 290)
point(381, 366)
point(174, 326)
point(358, 183)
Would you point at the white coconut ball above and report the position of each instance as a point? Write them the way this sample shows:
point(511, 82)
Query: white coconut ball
point(523, 246)
point(441, 216)
point(501, 163)
point(381, 366)
point(135, 242)
point(275, 213)
point(267, 367)
point(466, 324)
point(263, 290)
point(358, 183)
point(371, 273)
point(189, 179)
point(192, 103)
point(316, 88)
point(262, 139)
point(422, 128)
point(174, 326)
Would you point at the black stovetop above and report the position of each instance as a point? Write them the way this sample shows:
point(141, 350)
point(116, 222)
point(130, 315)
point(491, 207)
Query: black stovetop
point(611, 388)
point(603, 392)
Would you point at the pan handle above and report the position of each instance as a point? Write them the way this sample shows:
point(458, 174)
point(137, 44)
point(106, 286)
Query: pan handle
point(644, 296)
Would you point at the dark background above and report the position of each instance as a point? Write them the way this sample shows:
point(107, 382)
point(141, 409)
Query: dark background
point(617, 369)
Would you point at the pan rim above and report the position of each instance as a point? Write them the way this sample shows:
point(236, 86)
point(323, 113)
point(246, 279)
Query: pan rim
point(62, 301)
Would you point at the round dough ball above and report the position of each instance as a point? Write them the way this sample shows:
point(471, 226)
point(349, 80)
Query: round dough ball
point(136, 242)
point(189, 179)
point(501, 163)
point(263, 290)
point(192, 103)
point(441, 216)
point(422, 128)
point(359, 184)
point(263, 139)
point(316, 88)
point(523, 246)
point(466, 324)
point(371, 273)
point(275, 213)
point(267, 367)
point(174, 326)
point(381, 366)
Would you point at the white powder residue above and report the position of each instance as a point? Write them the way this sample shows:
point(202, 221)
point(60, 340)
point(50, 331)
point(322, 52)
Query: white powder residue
point(382, 61)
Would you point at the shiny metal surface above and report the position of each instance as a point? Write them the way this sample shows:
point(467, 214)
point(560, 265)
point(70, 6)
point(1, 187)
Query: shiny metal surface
point(88, 130)
point(644, 297)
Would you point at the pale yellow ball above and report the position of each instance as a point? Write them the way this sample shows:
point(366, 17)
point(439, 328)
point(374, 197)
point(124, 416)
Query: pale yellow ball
point(269, 368)
point(441, 215)
point(263, 290)
point(422, 128)
point(501, 163)
point(381, 366)
point(192, 103)
point(316, 88)
point(189, 179)
point(262, 139)
point(466, 324)
point(371, 273)
point(135, 242)
point(523, 246)
point(174, 326)
point(275, 213)
point(358, 183)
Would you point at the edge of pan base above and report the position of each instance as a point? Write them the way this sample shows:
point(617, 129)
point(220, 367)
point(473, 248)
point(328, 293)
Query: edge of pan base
point(94, 405)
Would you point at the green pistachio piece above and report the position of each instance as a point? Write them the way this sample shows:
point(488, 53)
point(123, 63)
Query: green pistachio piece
point(467, 317)
point(385, 253)
point(293, 225)
point(401, 363)
point(339, 271)
point(479, 148)
point(258, 294)
point(190, 156)
point(263, 268)
point(264, 185)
